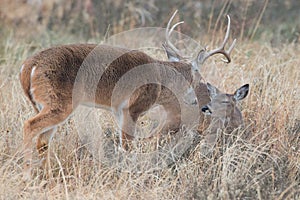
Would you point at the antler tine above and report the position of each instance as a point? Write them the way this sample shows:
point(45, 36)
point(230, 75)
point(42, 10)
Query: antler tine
point(228, 52)
point(168, 34)
point(221, 49)
point(227, 32)
point(174, 26)
point(232, 46)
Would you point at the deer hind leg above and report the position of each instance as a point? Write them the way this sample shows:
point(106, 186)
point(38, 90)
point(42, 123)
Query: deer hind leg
point(43, 141)
point(42, 145)
point(44, 122)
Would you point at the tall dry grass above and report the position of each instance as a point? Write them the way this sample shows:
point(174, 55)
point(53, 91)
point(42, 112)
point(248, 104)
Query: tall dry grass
point(261, 163)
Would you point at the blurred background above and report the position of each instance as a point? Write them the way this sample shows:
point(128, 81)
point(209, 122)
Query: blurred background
point(273, 21)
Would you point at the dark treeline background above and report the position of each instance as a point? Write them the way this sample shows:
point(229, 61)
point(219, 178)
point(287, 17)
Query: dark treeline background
point(276, 21)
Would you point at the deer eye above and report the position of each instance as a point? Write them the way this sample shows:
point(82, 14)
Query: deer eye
point(225, 102)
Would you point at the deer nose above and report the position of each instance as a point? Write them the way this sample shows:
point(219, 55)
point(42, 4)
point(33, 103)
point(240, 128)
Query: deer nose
point(205, 109)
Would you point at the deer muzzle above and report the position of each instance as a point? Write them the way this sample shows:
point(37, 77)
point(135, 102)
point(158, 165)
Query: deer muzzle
point(206, 110)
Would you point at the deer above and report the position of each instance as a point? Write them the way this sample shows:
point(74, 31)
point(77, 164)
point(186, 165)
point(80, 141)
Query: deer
point(50, 82)
point(225, 116)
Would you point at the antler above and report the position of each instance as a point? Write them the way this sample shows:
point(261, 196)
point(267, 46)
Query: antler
point(168, 33)
point(203, 54)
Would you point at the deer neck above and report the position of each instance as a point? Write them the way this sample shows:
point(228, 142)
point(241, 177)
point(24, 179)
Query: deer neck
point(181, 67)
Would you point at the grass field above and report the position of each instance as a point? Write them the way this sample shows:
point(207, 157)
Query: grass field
point(262, 163)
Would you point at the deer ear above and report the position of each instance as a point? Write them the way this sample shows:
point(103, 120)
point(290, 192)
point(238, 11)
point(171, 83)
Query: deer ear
point(201, 56)
point(172, 56)
point(212, 90)
point(241, 93)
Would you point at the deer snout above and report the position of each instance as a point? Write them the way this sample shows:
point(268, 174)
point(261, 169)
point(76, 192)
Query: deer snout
point(206, 110)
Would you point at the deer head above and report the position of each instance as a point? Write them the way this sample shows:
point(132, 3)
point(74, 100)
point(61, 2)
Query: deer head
point(223, 105)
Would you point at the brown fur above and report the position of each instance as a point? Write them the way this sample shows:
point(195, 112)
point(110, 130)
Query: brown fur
point(49, 88)
point(50, 77)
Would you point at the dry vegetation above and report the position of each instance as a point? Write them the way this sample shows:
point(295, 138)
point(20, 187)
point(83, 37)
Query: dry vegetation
point(263, 162)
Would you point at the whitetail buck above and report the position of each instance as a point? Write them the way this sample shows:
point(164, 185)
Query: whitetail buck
point(224, 113)
point(49, 77)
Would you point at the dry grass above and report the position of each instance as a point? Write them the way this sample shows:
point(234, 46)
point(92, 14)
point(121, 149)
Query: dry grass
point(262, 163)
